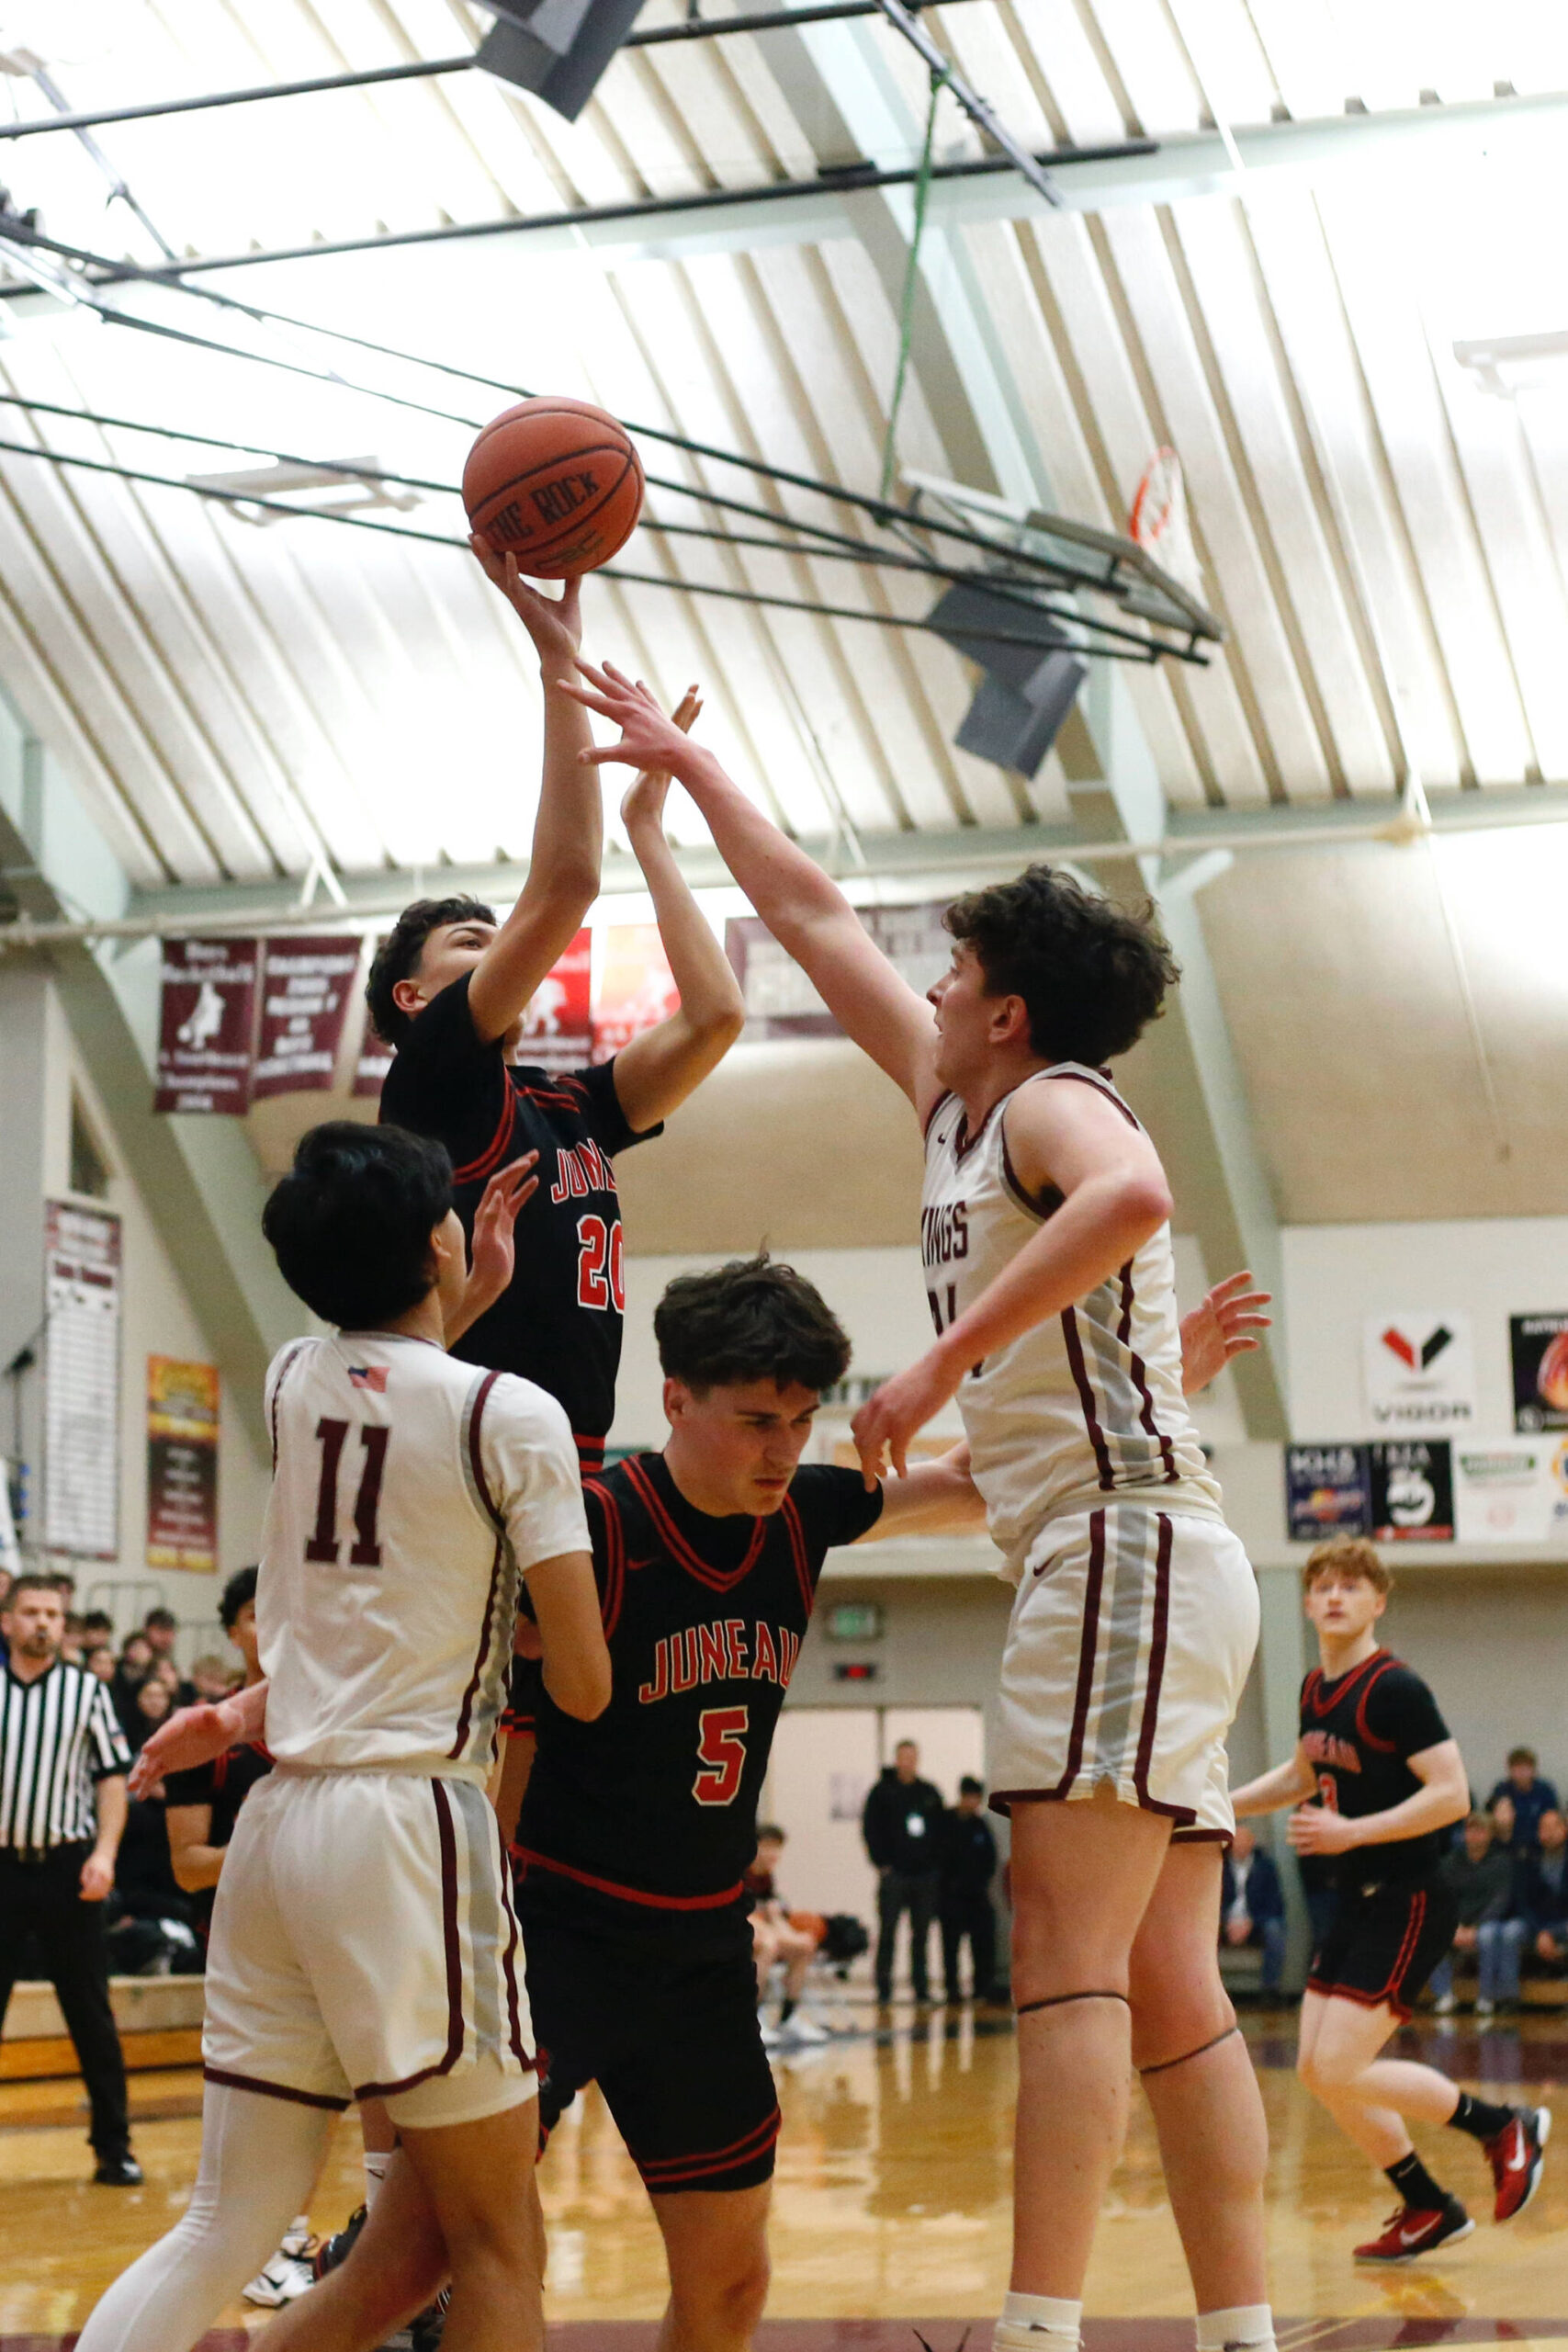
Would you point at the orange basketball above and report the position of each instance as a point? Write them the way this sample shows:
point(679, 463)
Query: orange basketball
point(555, 483)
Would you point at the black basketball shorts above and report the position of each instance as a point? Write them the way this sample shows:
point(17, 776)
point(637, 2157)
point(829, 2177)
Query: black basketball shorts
point(660, 2011)
point(1385, 1943)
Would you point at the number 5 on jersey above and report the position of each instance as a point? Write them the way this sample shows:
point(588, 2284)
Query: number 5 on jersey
point(721, 1747)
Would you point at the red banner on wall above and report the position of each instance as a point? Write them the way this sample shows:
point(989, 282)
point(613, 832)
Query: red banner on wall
point(633, 987)
point(307, 985)
point(558, 1026)
point(207, 1024)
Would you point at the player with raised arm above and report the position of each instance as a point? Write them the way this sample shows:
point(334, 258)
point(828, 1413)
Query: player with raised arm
point(1048, 1266)
point(363, 1940)
point(1374, 1778)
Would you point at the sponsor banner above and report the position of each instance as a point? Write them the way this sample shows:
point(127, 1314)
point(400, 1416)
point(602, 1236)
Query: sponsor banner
point(780, 1001)
point(1539, 1344)
point(1412, 1490)
point(1557, 1488)
point(1503, 1490)
point(306, 987)
point(80, 1396)
point(633, 986)
point(558, 1026)
point(1328, 1491)
point(374, 1060)
point(181, 1464)
point(1420, 1372)
point(207, 1024)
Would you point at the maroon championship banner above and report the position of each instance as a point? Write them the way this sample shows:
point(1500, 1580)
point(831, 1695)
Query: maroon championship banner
point(207, 1024)
point(558, 1026)
point(307, 985)
point(634, 989)
point(780, 1001)
point(374, 1060)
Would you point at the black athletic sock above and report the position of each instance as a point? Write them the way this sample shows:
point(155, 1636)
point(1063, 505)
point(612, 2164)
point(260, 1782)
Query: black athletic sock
point(787, 2010)
point(1415, 2185)
point(1479, 2117)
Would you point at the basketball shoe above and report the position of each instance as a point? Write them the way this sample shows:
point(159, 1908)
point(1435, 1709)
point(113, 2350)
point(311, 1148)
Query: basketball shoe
point(1411, 2232)
point(1516, 2154)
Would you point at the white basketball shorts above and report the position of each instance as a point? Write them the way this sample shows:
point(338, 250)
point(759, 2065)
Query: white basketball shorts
point(1133, 1630)
point(364, 1945)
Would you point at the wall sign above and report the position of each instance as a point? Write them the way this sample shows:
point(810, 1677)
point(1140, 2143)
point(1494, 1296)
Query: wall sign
point(634, 989)
point(306, 986)
point(1328, 1491)
point(1538, 1346)
point(780, 1001)
point(81, 1414)
point(1419, 1372)
point(181, 1464)
point(207, 1024)
point(1503, 1492)
point(1411, 1491)
point(558, 1024)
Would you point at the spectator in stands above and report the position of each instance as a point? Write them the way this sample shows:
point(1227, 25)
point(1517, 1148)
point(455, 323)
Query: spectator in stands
point(774, 1937)
point(1479, 1874)
point(204, 1804)
point(63, 1804)
point(72, 1645)
point(134, 1666)
point(97, 1625)
point(150, 1932)
point(1252, 1907)
point(1544, 1894)
point(1530, 1795)
point(98, 1659)
point(901, 1825)
point(213, 1678)
point(159, 1627)
point(967, 1854)
point(153, 1705)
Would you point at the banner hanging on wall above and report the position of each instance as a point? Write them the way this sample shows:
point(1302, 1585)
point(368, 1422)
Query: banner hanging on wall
point(307, 985)
point(557, 1024)
point(183, 1401)
point(1412, 1490)
point(1538, 1346)
point(634, 989)
point(1328, 1491)
point(81, 1411)
point(206, 1025)
point(1420, 1373)
point(780, 1000)
point(1503, 1491)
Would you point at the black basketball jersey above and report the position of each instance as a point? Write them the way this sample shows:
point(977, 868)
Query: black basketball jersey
point(223, 1784)
point(1358, 1732)
point(655, 1802)
point(559, 1323)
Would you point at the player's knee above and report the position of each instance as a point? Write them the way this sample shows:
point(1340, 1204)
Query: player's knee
point(724, 2294)
point(1171, 2019)
point(1326, 2073)
point(1051, 1955)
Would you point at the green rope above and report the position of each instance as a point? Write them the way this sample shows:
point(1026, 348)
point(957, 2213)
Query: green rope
point(911, 272)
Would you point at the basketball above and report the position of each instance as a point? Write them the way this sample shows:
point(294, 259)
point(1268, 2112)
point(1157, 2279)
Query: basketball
point(555, 483)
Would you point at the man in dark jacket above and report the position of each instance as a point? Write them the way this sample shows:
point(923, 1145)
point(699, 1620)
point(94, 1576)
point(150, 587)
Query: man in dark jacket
point(1479, 1874)
point(1544, 1894)
point(901, 1826)
point(968, 1856)
point(1252, 1907)
point(1530, 1795)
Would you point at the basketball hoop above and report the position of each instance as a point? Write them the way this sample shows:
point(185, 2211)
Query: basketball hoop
point(1159, 521)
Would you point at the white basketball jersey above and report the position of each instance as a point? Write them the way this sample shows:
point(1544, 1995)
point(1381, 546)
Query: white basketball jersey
point(409, 1493)
point(1088, 1405)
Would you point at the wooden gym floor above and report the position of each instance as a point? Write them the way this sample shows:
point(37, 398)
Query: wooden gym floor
point(891, 2205)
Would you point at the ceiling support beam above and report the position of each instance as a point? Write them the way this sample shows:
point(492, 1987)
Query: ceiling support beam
point(198, 1178)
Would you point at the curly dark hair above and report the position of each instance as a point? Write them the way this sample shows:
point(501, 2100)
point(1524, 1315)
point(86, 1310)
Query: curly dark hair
point(398, 956)
point(241, 1588)
point(753, 1319)
point(1093, 975)
point(350, 1223)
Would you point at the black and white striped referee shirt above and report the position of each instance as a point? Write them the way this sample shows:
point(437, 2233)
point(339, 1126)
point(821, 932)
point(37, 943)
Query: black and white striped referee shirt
point(58, 1736)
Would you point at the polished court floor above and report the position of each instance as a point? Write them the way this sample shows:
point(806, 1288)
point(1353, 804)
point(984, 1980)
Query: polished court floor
point(891, 2205)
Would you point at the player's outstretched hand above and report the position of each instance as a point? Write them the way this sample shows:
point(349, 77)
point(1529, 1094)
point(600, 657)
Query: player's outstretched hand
point(492, 1252)
point(192, 1736)
point(554, 623)
point(1314, 1829)
point(886, 1422)
point(648, 739)
point(1222, 1326)
point(643, 806)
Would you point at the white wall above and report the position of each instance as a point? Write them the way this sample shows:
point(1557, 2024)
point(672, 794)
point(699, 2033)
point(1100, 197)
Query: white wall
point(156, 1318)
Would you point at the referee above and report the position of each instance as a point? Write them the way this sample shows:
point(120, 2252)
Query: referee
point(62, 1803)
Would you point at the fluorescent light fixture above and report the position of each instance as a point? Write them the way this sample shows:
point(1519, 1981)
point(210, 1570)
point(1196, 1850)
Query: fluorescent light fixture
point(345, 488)
point(1506, 365)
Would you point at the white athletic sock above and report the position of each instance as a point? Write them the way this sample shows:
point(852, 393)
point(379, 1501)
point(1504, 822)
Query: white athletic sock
point(375, 2162)
point(259, 2161)
point(1251, 2324)
point(1037, 2323)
